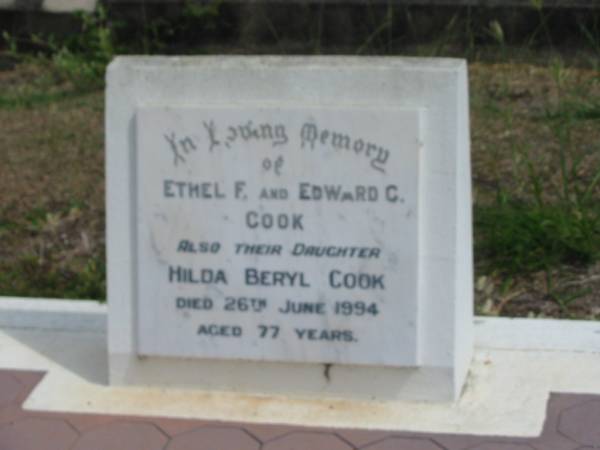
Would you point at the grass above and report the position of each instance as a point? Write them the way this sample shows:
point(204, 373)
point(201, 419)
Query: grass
point(519, 238)
point(30, 278)
point(545, 225)
point(535, 154)
point(51, 196)
point(537, 214)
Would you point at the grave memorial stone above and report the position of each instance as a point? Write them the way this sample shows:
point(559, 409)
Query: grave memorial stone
point(290, 225)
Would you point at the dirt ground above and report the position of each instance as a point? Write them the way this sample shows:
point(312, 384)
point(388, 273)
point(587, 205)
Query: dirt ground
point(52, 214)
point(51, 194)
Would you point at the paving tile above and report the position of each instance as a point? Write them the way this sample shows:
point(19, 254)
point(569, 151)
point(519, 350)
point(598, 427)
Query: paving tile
point(572, 423)
point(306, 440)
point(85, 422)
point(404, 443)
point(581, 423)
point(491, 445)
point(266, 433)
point(28, 379)
point(554, 442)
point(37, 434)
point(550, 438)
point(122, 436)
point(174, 427)
point(458, 441)
point(11, 415)
point(360, 438)
point(10, 388)
point(17, 393)
point(558, 403)
point(215, 438)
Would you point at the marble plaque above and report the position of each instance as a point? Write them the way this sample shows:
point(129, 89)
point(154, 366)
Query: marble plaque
point(278, 233)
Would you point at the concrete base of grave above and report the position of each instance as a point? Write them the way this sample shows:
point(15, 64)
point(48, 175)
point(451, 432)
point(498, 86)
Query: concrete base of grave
point(533, 384)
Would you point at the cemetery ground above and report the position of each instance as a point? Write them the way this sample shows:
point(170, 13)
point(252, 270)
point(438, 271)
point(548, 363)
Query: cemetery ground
point(535, 136)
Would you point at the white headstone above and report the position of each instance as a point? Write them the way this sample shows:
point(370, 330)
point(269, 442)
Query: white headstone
point(290, 225)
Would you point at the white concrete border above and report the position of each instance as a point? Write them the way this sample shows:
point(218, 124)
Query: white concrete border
point(518, 363)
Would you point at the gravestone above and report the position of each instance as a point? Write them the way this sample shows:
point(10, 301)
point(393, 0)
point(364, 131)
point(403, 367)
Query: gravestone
point(295, 226)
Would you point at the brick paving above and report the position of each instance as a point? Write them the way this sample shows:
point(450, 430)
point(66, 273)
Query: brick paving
point(572, 423)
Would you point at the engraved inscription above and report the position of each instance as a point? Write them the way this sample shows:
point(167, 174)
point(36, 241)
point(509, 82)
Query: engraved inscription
point(278, 234)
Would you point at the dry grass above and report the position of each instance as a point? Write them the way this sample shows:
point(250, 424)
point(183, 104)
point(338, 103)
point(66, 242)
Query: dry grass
point(52, 197)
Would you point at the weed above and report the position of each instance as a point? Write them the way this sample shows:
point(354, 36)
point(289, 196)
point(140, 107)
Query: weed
point(592, 36)
point(517, 237)
point(83, 57)
point(90, 283)
point(30, 277)
point(36, 218)
point(62, 69)
point(29, 99)
point(549, 216)
point(563, 297)
point(385, 25)
point(581, 107)
point(496, 32)
point(538, 6)
point(6, 227)
point(180, 33)
point(11, 43)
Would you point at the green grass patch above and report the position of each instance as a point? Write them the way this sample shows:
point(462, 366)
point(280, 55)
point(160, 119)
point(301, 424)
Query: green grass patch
point(31, 278)
point(60, 69)
point(515, 238)
point(33, 98)
point(583, 110)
